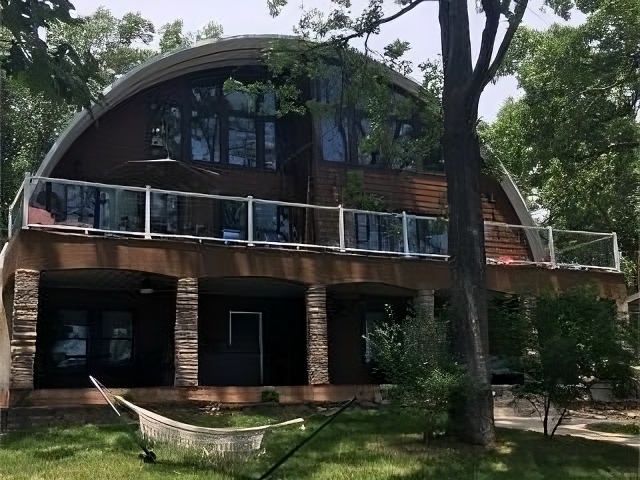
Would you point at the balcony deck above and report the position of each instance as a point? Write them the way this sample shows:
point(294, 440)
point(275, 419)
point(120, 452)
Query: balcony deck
point(151, 215)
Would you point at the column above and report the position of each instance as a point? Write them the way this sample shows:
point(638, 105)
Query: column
point(317, 342)
point(186, 333)
point(23, 329)
point(424, 300)
point(423, 334)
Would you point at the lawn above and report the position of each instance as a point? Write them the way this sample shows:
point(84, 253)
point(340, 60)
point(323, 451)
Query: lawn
point(361, 444)
point(614, 427)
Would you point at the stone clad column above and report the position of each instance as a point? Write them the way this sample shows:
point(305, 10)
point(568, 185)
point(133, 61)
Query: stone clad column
point(186, 333)
point(23, 329)
point(424, 300)
point(424, 330)
point(317, 342)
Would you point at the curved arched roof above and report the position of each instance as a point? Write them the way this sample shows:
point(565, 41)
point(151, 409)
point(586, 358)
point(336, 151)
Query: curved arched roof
point(232, 51)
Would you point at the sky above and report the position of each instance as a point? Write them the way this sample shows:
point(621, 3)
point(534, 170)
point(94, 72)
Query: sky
point(245, 17)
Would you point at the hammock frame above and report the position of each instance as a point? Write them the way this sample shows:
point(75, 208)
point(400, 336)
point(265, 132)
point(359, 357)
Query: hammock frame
point(223, 442)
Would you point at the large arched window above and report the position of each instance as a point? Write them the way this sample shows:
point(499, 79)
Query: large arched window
point(237, 128)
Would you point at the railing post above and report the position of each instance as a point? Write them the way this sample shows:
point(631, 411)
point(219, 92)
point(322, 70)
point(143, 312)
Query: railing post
point(552, 250)
point(26, 192)
point(405, 233)
point(616, 252)
point(250, 220)
point(341, 227)
point(147, 212)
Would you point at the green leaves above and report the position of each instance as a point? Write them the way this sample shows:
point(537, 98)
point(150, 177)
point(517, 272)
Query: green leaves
point(107, 42)
point(572, 139)
point(172, 37)
point(562, 343)
point(414, 356)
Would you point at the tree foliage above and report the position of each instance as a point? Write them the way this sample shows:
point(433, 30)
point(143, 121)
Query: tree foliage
point(415, 357)
point(564, 343)
point(464, 80)
point(572, 141)
point(113, 43)
point(172, 37)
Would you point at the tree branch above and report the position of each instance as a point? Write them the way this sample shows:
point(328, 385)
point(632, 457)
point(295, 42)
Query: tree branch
point(514, 23)
point(492, 13)
point(382, 21)
point(482, 74)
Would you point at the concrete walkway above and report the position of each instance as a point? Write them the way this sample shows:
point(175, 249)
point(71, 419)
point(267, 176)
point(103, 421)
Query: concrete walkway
point(573, 426)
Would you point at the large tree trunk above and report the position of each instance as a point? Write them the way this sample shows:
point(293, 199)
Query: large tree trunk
point(473, 420)
point(472, 417)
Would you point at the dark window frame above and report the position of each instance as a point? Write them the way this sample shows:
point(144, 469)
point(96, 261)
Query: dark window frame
point(179, 94)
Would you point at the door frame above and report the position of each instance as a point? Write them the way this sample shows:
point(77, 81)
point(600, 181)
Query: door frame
point(259, 314)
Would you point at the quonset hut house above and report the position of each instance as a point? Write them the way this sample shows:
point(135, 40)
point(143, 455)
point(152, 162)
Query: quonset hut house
point(183, 244)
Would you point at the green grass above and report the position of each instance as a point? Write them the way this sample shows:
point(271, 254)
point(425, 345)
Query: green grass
point(360, 444)
point(613, 427)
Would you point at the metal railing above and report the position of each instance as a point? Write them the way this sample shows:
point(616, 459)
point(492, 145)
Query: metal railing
point(70, 205)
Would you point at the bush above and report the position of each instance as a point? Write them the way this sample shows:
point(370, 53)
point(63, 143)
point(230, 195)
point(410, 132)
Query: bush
point(414, 356)
point(565, 343)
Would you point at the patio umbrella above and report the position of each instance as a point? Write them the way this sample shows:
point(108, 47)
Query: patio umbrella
point(167, 174)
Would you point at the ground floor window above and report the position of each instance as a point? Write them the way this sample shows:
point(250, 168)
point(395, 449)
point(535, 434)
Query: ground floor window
point(79, 343)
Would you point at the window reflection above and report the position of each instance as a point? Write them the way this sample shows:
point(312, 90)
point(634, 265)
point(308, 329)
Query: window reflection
point(242, 141)
point(272, 223)
point(236, 128)
point(270, 145)
point(91, 337)
point(70, 349)
point(166, 131)
point(205, 124)
point(113, 343)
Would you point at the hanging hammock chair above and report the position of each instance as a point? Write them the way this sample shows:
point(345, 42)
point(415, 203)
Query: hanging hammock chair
point(229, 441)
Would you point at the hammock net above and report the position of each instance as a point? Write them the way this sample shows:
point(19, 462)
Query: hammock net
point(209, 441)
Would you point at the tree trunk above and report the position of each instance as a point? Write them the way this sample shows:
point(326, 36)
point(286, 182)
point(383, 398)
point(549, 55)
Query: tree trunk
point(473, 418)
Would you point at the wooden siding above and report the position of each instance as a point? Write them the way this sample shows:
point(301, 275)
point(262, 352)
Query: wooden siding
point(422, 194)
point(40, 250)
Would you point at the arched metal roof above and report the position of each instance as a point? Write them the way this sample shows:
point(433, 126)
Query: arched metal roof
point(232, 51)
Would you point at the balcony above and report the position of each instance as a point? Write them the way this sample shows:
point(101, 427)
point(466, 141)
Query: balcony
point(117, 211)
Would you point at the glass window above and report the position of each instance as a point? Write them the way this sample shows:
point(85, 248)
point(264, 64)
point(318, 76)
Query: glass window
point(242, 141)
point(270, 145)
point(166, 130)
point(237, 128)
point(268, 104)
point(70, 348)
point(113, 342)
point(92, 337)
point(333, 140)
point(241, 102)
point(205, 123)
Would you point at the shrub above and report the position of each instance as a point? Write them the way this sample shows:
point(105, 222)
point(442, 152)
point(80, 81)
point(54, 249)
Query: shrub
point(414, 356)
